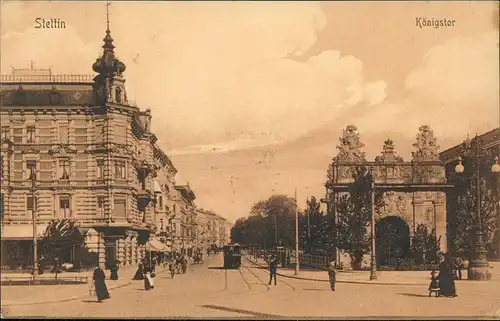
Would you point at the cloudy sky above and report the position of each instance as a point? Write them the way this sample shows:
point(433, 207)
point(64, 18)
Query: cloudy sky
point(249, 98)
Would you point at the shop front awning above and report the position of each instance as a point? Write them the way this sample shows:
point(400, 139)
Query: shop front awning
point(154, 245)
point(20, 232)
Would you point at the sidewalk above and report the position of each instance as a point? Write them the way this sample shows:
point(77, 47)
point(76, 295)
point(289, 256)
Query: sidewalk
point(38, 294)
point(363, 277)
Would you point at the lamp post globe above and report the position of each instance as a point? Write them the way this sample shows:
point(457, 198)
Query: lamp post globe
point(495, 168)
point(459, 168)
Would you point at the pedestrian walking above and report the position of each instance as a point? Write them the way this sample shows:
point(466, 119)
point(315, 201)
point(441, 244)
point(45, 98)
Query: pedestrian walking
point(332, 275)
point(434, 286)
point(149, 277)
point(101, 289)
point(446, 277)
point(139, 274)
point(273, 269)
point(155, 263)
point(184, 264)
point(171, 267)
point(114, 271)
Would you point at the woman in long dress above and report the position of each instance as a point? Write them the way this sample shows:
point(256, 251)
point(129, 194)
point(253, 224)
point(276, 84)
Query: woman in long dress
point(101, 290)
point(139, 274)
point(114, 271)
point(446, 277)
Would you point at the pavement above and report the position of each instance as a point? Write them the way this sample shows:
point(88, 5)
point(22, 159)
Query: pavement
point(208, 291)
point(40, 294)
point(409, 278)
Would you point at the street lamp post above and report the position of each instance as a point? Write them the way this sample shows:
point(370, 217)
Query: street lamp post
point(276, 228)
point(373, 263)
point(478, 265)
point(35, 224)
point(297, 263)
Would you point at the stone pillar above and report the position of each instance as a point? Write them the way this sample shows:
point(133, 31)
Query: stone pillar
point(121, 250)
point(101, 251)
point(127, 257)
point(440, 208)
point(133, 244)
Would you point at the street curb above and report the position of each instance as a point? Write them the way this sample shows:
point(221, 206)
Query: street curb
point(339, 281)
point(74, 298)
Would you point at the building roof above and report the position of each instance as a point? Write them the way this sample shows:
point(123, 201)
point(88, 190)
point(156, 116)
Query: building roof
point(40, 87)
point(488, 140)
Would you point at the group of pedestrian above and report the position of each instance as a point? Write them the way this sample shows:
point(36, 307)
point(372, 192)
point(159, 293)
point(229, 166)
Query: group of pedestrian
point(443, 284)
point(146, 272)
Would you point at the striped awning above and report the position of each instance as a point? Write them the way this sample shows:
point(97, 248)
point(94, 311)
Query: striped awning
point(154, 245)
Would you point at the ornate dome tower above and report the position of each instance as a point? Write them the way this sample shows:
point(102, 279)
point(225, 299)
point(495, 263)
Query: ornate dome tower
point(109, 84)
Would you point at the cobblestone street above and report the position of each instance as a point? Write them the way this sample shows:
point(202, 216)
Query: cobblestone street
point(204, 292)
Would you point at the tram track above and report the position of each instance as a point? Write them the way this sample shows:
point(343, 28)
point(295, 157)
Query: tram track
point(255, 275)
point(245, 279)
point(279, 280)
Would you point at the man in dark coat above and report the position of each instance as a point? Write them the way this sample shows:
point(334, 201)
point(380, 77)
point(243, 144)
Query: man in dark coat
point(332, 275)
point(101, 289)
point(273, 268)
point(184, 265)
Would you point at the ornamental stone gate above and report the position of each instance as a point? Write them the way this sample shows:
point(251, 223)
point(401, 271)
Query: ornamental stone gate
point(411, 190)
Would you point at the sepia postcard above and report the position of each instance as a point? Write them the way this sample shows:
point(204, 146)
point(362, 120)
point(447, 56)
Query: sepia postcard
point(250, 160)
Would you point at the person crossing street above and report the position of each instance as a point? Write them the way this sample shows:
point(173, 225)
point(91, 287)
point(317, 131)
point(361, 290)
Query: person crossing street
point(332, 275)
point(273, 268)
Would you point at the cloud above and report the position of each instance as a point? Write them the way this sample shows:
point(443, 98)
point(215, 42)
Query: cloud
point(454, 89)
point(215, 72)
point(456, 86)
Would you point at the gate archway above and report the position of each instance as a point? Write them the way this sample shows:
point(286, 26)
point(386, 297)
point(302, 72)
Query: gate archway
point(414, 191)
point(392, 239)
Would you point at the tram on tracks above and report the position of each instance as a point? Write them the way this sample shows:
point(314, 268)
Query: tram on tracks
point(232, 256)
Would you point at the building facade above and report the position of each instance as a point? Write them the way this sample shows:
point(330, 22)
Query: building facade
point(202, 234)
point(185, 220)
point(95, 157)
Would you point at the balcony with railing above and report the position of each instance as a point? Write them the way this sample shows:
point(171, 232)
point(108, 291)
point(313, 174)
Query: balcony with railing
point(34, 78)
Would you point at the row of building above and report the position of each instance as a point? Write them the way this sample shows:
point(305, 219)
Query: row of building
point(97, 162)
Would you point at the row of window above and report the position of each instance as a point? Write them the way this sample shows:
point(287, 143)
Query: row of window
point(45, 134)
point(65, 207)
point(64, 168)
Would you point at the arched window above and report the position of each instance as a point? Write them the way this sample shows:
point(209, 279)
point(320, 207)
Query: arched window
point(118, 95)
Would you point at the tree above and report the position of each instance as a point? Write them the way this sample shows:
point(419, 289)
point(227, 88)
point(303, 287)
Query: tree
point(278, 213)
point(463, 207)
point(425, 245)
point(316, 229)
point(354, 213)
point(387, 239)
point(237, 230)
point(60, 235)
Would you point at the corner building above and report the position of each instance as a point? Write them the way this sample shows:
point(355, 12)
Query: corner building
point(95, 157)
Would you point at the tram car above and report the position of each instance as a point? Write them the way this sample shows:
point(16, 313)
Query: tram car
point(232, 256)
